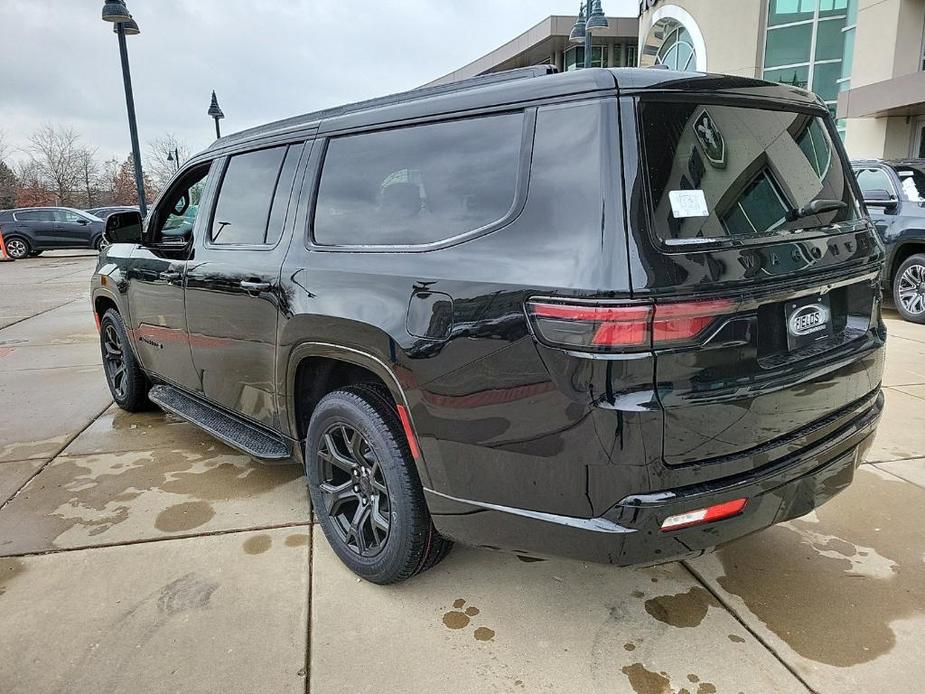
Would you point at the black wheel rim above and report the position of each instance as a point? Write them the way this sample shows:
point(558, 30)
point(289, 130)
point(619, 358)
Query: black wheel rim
point(114, 359)
point(354, 491)
point(912, 289)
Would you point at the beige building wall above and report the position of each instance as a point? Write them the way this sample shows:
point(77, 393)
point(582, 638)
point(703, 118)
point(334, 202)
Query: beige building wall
point(888, 45)
point(732, 30)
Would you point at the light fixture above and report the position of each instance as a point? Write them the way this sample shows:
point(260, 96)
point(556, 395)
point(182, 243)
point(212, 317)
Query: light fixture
point(115, 11)
point(130, 27)
point(597, 19)
point(578, 30)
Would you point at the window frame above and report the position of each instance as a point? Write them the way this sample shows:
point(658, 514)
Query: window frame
point(517, 205)
point(882, 169)
point(224, 163)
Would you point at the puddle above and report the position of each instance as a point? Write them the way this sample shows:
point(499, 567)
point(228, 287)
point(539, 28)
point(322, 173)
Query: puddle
point(645, 681)
point(851, 571)
point(186, 516)
point(258, 544)
point(461, 617)
point(684, 610)
point(297, 540)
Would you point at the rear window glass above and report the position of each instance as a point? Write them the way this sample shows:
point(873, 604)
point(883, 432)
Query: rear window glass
point(912, 180)
point(419, 184)
point(720, 172)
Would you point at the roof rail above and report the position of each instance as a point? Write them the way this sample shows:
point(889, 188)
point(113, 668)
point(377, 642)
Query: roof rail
point(658, 66)
point(419, 93)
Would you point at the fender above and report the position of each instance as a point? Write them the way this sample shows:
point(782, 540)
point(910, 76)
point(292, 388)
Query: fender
point(355, 356)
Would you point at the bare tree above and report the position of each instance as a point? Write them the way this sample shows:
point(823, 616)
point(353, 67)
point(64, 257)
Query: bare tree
point(7, 178)
point(56, 151)
point(159, 166)
point(89, 171)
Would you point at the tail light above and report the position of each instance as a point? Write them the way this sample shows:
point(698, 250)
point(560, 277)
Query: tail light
point(614, 327)
point(701, 516)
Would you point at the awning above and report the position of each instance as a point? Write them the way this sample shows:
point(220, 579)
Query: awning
point(900, 96)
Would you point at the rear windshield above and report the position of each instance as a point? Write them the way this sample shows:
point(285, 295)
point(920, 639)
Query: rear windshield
point(721, 172)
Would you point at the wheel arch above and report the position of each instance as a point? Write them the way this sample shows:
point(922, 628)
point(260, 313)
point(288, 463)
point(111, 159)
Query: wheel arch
point(902, 253)
point(297, 377)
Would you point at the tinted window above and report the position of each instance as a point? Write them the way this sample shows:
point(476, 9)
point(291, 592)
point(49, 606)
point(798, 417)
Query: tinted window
point(69, 216)
point(721, 171)
point(281, 198)
point(418, 184)
point(243, 206)
point(35, 216)
point(874, 179)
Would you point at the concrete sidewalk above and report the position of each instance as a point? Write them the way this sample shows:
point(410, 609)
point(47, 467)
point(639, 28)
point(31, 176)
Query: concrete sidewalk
point(138, 554)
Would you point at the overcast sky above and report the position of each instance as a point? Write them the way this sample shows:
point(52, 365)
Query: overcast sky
point(266, 59)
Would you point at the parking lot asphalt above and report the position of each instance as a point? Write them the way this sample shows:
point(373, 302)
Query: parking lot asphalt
point(139, 554)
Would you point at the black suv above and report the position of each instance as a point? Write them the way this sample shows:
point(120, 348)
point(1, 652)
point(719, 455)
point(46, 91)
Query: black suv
point(617, 315)
point(31, 230)
point(894, 192)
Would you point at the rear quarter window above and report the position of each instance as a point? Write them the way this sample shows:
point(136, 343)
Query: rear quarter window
point(753, 168)
point(420, 184)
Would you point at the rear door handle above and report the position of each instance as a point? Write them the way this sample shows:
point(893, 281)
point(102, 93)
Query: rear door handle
point(169, 275)
point(249, 286)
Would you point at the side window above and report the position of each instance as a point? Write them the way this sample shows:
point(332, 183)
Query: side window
point(243, 208)
point(67, 216)
point(35, 216)
point(874, 179)
point(419, 184)
point(176, 214)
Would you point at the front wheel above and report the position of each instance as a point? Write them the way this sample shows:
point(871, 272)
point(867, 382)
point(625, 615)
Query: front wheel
point(100, 243)
point(909, 288)
point(127, 382)
point(365, 488)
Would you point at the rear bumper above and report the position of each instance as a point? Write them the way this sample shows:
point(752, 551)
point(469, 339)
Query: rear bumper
point(630, 532)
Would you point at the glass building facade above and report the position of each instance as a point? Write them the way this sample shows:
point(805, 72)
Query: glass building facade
point(810, 44)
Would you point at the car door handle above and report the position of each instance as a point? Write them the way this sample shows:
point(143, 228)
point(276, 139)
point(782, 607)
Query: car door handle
point(169, 275)
point(249, 286)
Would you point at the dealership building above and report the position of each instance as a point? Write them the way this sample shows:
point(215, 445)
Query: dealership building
point(864, 58)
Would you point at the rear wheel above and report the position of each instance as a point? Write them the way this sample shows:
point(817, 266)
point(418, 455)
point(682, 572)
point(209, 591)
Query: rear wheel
point(365, 489)
point(127, 382)
point(100, 243)
point(909, 288)
point(17, 248)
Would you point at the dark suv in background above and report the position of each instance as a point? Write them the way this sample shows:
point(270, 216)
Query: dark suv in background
point(31, 230)
point(894, 192)
point(617, 315)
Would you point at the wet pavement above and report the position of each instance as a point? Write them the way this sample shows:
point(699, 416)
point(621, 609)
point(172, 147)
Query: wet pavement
point(139, 554)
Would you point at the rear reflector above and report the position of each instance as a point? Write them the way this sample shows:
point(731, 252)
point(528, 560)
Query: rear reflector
point(704, 515)
point(409, 432)
point(602, 327)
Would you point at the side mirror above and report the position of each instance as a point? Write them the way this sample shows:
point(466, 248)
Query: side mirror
point(880, 198)
point(123, 227)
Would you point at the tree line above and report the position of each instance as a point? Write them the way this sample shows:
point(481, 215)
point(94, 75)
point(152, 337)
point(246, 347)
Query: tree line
point(57, 168)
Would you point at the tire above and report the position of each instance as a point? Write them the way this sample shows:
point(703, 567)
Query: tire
point(352, 481)
point(17, 247)
point(909, 288)
point(100, 243)
point(127, 382)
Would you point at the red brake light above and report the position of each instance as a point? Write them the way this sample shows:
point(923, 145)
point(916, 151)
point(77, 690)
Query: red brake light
point(701, 516)
point(612, 327)
point(594, 327)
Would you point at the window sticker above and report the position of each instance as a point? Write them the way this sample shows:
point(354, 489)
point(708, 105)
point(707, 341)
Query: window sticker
point(688, 203)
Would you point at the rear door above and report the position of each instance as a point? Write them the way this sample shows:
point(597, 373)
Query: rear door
point(41, 226)
point(763, 274)
point(878, 179)
point(72, 230)
point(232, 287)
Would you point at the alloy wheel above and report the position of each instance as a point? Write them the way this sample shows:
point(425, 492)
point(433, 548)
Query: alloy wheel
point(356, 496)
point(114, 359)
point(912, 289)
point(17, 249)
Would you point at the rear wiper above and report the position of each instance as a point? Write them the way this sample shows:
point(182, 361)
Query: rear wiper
point(816, 207)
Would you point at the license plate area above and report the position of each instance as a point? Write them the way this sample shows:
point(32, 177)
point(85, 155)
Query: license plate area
point(808, 320)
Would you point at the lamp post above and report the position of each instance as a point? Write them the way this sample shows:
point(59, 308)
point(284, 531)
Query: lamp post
point(216, 112)
point(116, 12)
point(591, 17)
point(174, 156)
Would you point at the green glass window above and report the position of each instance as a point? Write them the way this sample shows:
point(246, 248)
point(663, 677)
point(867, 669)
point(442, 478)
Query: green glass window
point(788, 45)
point(830, 39)
point(815, 146)
point(787, 11)
point(575, 57)
point(825, 80)
point(831, 8)
point(797, 76)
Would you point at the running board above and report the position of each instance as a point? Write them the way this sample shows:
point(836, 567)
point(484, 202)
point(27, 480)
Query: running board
point(236, 432)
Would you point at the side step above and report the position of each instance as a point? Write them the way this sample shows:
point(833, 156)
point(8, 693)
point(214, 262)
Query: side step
point(236, 432)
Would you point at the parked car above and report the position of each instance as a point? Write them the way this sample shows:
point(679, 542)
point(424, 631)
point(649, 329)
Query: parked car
point(616, 315)
point(104, 212)
point(894, 193)
point(29, 231)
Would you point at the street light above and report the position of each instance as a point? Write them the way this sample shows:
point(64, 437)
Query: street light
point(216, 112)
point(174, 156)
point(116, 12)
point(591, 17)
